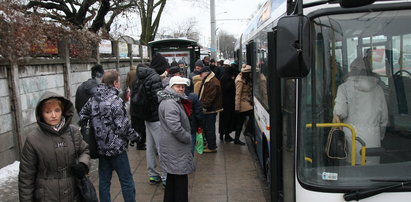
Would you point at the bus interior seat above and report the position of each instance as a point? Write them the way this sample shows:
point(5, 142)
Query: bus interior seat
point(399, 103)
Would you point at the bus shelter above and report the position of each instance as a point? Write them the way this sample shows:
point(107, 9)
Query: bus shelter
point(177, 49)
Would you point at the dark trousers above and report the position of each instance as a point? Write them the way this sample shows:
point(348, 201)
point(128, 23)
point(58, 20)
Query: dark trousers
point(209, 129)
point(176, 188)
point(140, 127)
point(240, 121)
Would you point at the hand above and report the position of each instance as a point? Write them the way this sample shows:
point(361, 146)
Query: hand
point(199, 130)
point(79, 170)
point(135, 141)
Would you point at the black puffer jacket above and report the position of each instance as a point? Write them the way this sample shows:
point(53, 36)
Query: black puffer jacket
point(152, 84)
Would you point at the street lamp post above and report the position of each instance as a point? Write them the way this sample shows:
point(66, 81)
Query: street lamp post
point(213, 29)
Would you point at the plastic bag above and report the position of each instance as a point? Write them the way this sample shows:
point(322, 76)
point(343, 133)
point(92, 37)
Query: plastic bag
point(199, 141)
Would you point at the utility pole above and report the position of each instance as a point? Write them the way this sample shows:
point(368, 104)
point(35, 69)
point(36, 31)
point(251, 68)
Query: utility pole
point(213, 29)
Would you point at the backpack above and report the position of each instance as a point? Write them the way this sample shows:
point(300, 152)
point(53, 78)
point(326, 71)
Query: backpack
point(139, 100)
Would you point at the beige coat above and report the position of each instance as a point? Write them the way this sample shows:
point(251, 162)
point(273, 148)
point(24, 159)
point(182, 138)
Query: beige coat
point(131, 77)
point(197, 84)
point(242, 95)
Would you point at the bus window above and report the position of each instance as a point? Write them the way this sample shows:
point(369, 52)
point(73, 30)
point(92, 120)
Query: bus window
point(353, 81)
point(261, 70)
point(401, 53)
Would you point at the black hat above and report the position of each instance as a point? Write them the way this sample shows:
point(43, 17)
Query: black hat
point(205, 69)
point(159, 63)
point(174, 69)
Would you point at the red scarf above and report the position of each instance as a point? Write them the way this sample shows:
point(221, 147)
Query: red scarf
point(187, 106)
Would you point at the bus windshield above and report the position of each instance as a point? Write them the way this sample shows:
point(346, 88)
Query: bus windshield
point(360, 79)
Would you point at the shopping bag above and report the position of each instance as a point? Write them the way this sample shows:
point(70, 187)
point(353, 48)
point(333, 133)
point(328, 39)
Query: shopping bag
point(199, 141)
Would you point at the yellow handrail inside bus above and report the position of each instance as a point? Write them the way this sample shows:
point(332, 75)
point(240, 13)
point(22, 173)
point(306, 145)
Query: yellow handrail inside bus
point(353, 139)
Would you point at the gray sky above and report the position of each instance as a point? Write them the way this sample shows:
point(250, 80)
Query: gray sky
point(178, 11)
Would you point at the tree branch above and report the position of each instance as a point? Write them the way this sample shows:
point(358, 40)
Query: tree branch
point(157, 20)
point(99, 20)
point(60, 7)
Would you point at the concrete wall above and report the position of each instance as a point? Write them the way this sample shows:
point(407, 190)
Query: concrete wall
point(7, 150)
point(34, 80)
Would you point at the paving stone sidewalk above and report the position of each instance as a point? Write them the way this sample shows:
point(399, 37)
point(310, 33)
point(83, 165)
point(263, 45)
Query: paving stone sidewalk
point(231, 174)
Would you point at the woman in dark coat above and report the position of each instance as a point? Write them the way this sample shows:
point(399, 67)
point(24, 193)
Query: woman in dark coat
point(227, 116)
point(47, 168)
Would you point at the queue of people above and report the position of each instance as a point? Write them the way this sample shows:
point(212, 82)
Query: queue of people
point(165, 115)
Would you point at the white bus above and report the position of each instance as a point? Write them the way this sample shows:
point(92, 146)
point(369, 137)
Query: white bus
point(302, 52)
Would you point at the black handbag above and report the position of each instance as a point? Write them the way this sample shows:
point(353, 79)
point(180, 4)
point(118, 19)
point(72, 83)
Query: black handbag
point(87, 190)
point(336, 146)
point(85, 186)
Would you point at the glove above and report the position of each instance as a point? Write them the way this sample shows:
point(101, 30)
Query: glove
point(79, 170)
point(135, 141)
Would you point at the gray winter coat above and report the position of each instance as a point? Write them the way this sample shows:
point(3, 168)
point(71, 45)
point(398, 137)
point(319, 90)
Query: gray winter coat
point(175, 140)
point(46, 158)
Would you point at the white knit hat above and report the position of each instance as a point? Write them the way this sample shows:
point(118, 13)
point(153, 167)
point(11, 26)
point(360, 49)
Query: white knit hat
point(179, 80)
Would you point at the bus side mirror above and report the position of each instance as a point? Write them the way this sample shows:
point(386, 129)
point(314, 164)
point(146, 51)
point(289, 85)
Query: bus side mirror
point(293, 47)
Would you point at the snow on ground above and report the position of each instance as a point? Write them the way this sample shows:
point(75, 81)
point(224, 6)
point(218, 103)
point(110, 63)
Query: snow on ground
point(9, 172)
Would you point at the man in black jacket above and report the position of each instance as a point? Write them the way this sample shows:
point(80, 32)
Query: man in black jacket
point(84, 92)
point(149, 79)
point(88, 88)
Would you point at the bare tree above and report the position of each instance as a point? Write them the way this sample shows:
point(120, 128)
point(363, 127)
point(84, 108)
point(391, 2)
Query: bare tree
point(149, 18)
point(89, 14)
point(187, 29)
point(226, 44)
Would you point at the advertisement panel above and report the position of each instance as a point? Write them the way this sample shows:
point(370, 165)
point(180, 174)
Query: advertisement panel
point(135, 50)
point(122, 50)
point(174, 56)
point(105, 47)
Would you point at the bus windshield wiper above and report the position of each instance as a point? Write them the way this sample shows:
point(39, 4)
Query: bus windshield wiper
point(365, 193)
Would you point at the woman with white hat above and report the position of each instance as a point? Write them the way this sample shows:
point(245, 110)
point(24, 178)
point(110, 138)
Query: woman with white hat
point(176, 158)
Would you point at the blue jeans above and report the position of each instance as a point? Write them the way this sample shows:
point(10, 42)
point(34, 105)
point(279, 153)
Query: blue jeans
point(209, 129)
point(121, 165)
